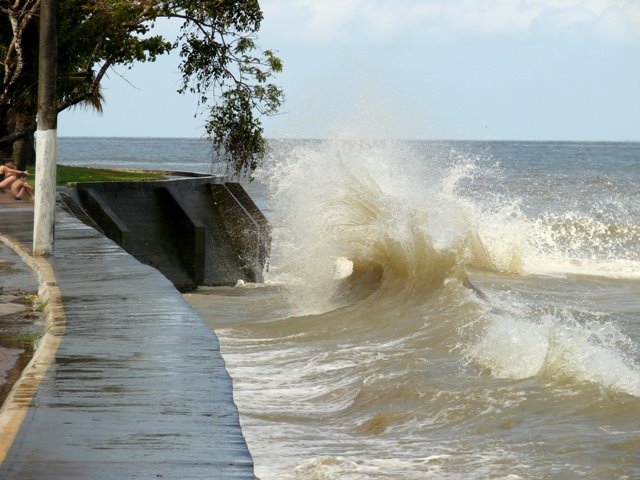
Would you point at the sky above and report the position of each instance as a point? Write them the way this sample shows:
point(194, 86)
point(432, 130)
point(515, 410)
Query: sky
point(416, 69)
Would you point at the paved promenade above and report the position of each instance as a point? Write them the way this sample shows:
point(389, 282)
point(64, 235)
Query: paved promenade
point(129, 382)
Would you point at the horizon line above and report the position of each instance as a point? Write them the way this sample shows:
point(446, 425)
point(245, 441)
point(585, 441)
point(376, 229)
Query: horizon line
point(486, 140)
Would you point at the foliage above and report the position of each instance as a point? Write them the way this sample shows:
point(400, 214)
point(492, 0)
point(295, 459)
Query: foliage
point(216, 43)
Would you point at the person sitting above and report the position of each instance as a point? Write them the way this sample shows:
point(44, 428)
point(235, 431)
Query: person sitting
point(19, 187)
point(8, 173)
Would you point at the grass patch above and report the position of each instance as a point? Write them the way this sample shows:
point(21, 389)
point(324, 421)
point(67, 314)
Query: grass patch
point(40, 306)
point(69, 174)
point(25, 340)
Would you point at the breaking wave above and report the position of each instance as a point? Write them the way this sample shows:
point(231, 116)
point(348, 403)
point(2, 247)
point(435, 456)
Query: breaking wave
point(381, 223)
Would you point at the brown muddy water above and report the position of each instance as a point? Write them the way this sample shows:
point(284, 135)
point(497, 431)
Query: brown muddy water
point(365, 356)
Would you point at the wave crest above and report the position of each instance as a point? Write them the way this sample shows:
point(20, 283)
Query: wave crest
point(372, 203)
point(376, 231)
point(556, 348)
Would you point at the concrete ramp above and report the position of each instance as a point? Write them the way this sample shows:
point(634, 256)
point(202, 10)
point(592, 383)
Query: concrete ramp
point(196, 231)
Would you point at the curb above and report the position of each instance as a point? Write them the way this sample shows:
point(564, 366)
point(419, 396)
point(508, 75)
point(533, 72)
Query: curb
point(19, 399)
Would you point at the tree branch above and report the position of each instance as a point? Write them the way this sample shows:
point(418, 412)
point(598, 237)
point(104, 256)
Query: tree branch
point(12, 137)
point(77, 97)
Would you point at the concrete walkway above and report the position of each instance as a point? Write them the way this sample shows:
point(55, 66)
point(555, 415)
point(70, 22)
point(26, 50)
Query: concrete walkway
point(129, 382)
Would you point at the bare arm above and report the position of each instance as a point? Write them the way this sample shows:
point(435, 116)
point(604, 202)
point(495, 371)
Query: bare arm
point(11, 171)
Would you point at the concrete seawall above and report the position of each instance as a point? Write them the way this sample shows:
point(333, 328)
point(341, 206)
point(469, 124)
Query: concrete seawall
point(196, 231)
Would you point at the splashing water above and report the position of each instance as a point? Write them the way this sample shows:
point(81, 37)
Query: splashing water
point(366, 357)
point(384, 211)
point(374, 205)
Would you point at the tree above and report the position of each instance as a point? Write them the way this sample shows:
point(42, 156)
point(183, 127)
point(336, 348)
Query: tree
point(18, 101)
point(217, 46)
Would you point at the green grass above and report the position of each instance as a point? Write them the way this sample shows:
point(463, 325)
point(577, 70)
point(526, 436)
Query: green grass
point(68, 174)
point(24, 340)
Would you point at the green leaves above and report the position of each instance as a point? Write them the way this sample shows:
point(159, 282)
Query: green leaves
point(219, 63)
point(217, 45)
point(235, 132)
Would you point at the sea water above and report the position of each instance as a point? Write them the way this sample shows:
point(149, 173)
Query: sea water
point(446, 310)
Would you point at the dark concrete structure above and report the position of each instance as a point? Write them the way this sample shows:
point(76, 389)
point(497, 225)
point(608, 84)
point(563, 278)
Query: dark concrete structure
point(196, 231)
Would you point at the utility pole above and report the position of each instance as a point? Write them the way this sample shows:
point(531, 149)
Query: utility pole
point(46, 136)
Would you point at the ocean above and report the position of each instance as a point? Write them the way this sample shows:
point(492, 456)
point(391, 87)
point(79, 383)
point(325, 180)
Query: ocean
point(445, 310)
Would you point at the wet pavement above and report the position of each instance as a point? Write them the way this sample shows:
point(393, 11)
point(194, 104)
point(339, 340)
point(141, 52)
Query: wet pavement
point(21, 320)
point(129, 382)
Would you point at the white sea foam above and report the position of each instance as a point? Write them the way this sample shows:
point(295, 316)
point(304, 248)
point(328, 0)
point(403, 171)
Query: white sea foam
point(555, 346)
point(504, 239)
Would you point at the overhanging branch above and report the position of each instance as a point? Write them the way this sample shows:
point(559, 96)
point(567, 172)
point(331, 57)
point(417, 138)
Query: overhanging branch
point(15, 136)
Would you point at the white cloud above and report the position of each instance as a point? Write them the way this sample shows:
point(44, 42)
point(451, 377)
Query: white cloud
point(366, 20)
point(494, 16)
point(327, 19)
point(597, 7)
point(621, 22)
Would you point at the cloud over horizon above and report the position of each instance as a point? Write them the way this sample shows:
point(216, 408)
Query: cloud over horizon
point(346, 21)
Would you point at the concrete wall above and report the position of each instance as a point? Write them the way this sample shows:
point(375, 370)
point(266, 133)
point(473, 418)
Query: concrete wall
point(196, 231)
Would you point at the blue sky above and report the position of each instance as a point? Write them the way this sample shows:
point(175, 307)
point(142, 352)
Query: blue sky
point(422, 69)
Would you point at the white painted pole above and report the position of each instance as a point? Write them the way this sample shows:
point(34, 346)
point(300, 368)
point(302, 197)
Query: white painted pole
point(46, 136)
point(45, 194)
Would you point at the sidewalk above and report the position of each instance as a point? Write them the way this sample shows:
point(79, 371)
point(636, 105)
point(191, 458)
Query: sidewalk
point(131, 382)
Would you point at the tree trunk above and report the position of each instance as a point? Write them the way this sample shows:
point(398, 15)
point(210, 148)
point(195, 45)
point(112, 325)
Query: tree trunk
point(24, 152)
point(45, 200)
point(5, 129)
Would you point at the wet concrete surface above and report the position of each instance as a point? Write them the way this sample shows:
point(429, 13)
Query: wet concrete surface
point(137, 387)
point(21, 322)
